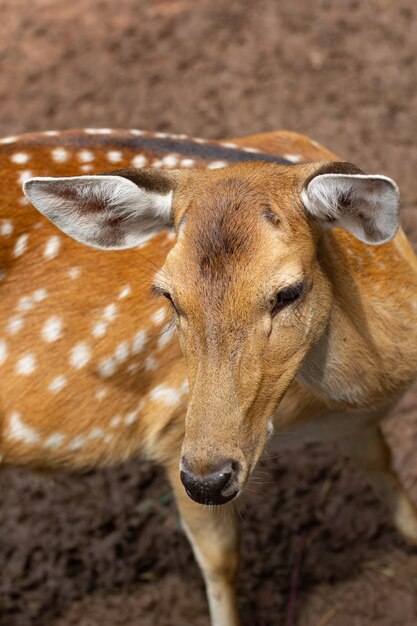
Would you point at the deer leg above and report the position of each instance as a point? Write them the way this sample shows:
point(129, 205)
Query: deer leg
point(370, 451)
point(213, 534)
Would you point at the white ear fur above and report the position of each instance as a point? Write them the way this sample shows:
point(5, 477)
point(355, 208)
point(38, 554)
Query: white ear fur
point(367, 206)
point(108, 212)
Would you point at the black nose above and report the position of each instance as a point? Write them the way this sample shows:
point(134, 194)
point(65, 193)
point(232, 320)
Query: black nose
point(217, 487)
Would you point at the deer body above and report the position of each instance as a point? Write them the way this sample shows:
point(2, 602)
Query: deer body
point(92, 373)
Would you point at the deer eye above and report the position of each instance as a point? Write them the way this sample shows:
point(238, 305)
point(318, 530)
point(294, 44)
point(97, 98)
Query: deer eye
point(168, 296)
point(286, 296)
point(156, 290)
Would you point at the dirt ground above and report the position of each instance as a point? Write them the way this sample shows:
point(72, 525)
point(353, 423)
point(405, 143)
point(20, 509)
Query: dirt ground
point(106, 549)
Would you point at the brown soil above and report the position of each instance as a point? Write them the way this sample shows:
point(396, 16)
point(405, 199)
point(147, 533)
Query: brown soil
point(105, 548)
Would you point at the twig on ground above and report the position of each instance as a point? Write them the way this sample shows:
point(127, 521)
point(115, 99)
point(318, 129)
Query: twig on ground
point(330, 615)
point(295, 579)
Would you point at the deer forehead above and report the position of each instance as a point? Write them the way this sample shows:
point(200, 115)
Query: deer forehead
point(235, 230)
point(238, 193)
point(231, 274)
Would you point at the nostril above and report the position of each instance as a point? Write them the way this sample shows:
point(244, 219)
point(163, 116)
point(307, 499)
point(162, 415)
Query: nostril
point(235, 465)
point(221, 478)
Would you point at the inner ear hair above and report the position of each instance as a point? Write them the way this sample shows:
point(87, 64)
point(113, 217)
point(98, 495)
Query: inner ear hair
point(339, 194)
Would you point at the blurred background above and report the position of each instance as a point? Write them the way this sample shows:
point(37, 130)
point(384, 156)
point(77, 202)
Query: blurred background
point(106, 548)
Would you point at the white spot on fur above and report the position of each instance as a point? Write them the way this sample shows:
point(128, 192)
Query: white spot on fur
point(166, 395)
point(135, 131)
point(54, 441)
point(107, 368)
point(98, 131)
point(96, 433)
point(19, 158)
point(86, 167)
point(139, 160)
point(171, 236)
point(108, 438)
point(74, 272)
point(159, 316)
point(125, 291)
point(15, 324)
point(139, 342)
point(251, 149)
point(6, 228)
point(39, 295)
point(150, 364)
point(52, 329)
point(114, 156)
point(131, 418)
point(21, 245)
point(26, 365)
point(26, 303)
point(110, 312)
point(115, 421)
point(80, 355)
point(187, 162)
point(157, 163)
point(52, 247)
point(5, 140)
point(122, 352)
point(24, 176)
point(76, 443)
point(101, 393)
point(24, 202)
point(3, 351)
point(292, 158)
point(19, 431)
point(57, 384)
point(99, 329)
point(60, 155)
point(51, 133)
point(170, 160)
point(85, 156)
point(215, 165)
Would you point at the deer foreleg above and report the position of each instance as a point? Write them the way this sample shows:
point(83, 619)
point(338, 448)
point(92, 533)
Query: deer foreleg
point(213, 534)
point(370, 451)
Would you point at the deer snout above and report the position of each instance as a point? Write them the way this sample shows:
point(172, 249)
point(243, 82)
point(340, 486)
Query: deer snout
point(217, 486)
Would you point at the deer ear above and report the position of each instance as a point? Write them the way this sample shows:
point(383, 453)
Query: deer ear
point(106, 211)
point(366, 206)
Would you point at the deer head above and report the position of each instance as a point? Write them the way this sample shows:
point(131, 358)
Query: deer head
point(244, 280)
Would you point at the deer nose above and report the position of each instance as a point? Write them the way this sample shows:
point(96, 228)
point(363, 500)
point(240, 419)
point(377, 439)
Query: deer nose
point(217, 487)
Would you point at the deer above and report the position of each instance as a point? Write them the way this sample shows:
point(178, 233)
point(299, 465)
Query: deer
point(196, 302)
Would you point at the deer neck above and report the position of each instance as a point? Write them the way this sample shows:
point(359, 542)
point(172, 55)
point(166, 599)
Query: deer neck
point(346, 366)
